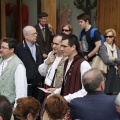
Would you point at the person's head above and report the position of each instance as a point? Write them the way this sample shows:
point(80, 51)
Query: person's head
point(67, 29)
point(117, 103)
point(93, 80)
point(56, 107)
point(7, 48)
point(57, 43)
point(84, 20)
point(30, 34)
point(5, 108)
point(70, 45)
point(110, 36)
point(42, 18)
point(27, 108)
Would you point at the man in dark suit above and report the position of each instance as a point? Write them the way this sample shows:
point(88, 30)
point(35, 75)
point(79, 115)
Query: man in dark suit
point(45, 34)
point(30, 54)
point(96, 105)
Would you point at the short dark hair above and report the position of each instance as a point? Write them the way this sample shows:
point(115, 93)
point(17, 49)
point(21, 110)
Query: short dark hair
point(5, 108)
point(84, 17)
point(73, 40)
point(60, 34)
point(42, 14)
point(11, 42)
point(92, 79)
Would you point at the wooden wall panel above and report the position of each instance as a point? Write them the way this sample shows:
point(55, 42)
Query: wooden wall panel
point(108, 16)
point(3, 19)
point(49, 6)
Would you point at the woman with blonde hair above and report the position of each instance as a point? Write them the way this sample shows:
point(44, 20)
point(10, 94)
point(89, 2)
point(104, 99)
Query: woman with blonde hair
point(67, 29)
point(110, 54)
point(27, 108)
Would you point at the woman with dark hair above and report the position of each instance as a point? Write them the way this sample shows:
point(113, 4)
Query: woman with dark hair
point(5, 108)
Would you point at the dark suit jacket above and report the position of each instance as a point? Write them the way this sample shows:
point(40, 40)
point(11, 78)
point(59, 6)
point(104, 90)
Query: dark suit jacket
point(45, 45)
point(24, 53)
point(94, 106)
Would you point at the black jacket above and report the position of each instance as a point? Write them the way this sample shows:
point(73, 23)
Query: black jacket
point(24, 53)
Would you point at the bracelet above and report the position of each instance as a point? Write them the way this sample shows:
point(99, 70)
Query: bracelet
point(87, 56)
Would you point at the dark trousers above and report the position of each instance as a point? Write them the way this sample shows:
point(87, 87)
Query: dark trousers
point(35, 92)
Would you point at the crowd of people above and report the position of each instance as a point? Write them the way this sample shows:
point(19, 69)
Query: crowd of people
point(61, 64)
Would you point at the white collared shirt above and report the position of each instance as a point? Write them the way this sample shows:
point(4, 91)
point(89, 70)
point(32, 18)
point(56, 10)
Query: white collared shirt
point(85, 66)
point(20, 79)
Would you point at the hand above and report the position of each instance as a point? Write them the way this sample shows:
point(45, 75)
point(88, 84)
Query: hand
point(51, 89)
point(50, 59)
point(50, 95)
point(111, 58)
point(85, 57)
point(45, 55)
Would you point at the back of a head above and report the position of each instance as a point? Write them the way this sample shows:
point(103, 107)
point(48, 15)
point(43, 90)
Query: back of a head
point(56, 107)
point(25, 106)
point(92, 79)
point(5, 108)
point(117, 101)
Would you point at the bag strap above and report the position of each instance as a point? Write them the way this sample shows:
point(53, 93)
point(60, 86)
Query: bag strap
point(54, 78)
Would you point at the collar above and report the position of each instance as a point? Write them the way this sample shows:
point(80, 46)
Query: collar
point(8, 59)
point(41, 27)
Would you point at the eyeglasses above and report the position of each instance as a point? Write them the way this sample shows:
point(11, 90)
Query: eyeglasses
point(64, 46)
point(65, 30)
point(2, 47)
point(109, 36)
point(34, 34)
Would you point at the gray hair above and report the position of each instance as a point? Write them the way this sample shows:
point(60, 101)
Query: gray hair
point(117, 101)
point(27, 29)
point(92, 79)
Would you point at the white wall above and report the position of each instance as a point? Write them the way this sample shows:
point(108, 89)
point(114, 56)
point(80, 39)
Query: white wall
point(32, 10)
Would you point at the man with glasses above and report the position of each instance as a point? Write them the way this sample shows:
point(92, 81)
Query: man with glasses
point(89, 46)
point(74, 68)
point(13, 82)
point(29, 52)
point(45, 34)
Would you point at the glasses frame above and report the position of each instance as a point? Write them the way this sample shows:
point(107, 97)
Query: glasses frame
point(108, 36)
point(65, 30)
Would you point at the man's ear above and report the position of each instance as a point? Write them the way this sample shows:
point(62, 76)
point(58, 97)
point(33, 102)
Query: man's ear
point(1, 118)
point(102, 85)
point(73, 47)
point(12, 50)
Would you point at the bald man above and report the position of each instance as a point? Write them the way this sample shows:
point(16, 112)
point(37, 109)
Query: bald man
point(30, 54)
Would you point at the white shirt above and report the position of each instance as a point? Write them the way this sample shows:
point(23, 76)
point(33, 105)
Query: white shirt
point(85, 66)
point(49, 73)
point(20, 79)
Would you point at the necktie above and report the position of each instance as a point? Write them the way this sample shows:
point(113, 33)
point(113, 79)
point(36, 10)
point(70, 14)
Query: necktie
point(43, 32)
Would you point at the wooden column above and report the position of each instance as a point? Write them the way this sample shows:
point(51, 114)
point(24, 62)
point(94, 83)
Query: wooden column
point(19, 20)
point(3, 19)
point(49, 6)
